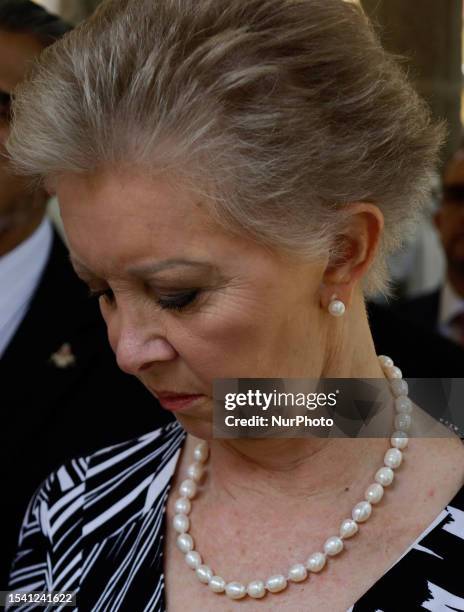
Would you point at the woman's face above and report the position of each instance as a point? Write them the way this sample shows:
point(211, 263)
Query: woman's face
point(184, 301)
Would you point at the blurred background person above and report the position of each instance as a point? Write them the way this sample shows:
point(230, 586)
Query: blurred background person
point(431, 50)
point(432, 321)
point(442, 310)
point(61, 391)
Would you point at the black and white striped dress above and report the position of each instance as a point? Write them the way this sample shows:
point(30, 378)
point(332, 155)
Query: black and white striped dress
point(96, 528)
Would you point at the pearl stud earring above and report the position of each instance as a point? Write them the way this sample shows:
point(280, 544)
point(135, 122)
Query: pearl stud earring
point(336, 307)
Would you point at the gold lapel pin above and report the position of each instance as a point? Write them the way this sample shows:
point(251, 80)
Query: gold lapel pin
point(63, 358)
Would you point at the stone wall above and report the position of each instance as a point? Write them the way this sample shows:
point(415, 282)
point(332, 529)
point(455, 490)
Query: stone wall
point(428, 33)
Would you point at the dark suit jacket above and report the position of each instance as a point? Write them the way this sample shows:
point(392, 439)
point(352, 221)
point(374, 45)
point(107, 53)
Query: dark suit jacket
point(417, 321)
point(413, 344)
point(422, 310)
point(51, 414)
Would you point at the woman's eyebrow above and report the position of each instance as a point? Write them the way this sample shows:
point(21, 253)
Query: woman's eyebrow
point(154, 268)
point(144, 270)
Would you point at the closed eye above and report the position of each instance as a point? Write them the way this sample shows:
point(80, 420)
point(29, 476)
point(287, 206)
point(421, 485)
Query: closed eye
point(179, 301)
point(175, 302)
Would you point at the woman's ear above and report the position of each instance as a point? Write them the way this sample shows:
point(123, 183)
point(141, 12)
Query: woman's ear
point(354, 251)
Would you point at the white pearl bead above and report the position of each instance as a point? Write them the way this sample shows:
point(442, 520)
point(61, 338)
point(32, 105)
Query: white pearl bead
point(235, 590)
point(195, 471)
point(361, 512)
point(333, 546)
point(393, 372)
point(217, 584)
point(204, 573)
point(403, 422)
point(384, 476)
point(297, 573)
point(337, 308)
point(193, 559)
point(393, 458)
point(403, 404)
point(386, 362)
point(399, 439)
point(181, 523)
point(277, 583)
point(374, 493)
point(201, 451)
point(256, 589)
point(182, 505)
point(399, 387)
point(188, 488)
point(316, 562)
point(348, 528)
point(185, 542)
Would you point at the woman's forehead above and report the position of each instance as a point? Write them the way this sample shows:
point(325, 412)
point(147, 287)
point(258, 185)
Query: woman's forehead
point(131, 219)
point(120, 222)
point(124, 191)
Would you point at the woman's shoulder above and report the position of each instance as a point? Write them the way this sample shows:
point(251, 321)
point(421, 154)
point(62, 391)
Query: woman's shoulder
point(165, 437)
point(88, 502)
point(91, 488)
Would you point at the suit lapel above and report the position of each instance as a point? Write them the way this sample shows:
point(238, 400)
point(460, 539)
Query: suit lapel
point(60, 313)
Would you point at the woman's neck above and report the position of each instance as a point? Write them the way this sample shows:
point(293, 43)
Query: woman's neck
point(303, 467)
point(293, 469)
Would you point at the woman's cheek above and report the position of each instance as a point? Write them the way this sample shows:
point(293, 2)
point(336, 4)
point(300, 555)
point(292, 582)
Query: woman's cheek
point(220, 346)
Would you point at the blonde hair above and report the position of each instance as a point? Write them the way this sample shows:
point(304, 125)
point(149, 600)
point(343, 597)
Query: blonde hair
point(281, 112)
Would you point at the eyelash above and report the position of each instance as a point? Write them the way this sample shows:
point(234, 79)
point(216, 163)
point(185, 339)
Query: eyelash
point(181, 302)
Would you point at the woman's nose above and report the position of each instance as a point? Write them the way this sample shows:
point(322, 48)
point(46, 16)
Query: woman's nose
point(135, 351)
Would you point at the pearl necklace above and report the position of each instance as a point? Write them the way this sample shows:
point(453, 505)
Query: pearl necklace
point(334, 544)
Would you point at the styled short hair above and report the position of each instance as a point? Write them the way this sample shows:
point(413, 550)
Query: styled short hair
point(280, 112)
point(26, 17)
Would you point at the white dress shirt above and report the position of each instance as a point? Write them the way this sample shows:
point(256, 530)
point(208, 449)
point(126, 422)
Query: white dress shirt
point(20, 273)
point(451, 305)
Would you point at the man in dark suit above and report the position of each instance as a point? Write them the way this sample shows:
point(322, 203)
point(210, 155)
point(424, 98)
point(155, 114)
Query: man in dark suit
point(416, 349)
point(442, 310)
point(62, 394)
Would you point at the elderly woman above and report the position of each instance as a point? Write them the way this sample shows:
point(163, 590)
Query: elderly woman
point(232, 175)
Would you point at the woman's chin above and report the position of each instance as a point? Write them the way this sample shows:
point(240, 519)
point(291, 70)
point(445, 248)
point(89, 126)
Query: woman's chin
point(198, 420)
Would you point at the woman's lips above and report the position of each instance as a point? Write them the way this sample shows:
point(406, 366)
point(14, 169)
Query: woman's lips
point(176, 401)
